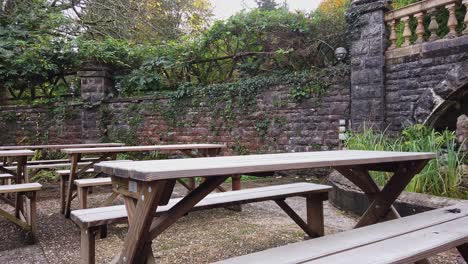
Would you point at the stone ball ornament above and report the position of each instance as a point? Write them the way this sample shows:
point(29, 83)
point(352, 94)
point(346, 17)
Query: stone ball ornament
point(340, 54)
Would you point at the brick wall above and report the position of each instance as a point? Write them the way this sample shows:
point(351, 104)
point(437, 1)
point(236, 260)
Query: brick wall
point(279, 123)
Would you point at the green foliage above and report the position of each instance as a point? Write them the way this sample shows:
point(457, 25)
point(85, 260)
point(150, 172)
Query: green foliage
point(441, 176)
point(45, 176)
point(39, 60)
point(35, 52)
point(143, 21)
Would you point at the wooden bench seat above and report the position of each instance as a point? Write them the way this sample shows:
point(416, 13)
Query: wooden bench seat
point(84, 185)
point(5, 178)
point(67, 172)
point(50, 166)
point(19, 188)
point(403, 240)
point(25, 210)
point(55, 161)
point(89, 220)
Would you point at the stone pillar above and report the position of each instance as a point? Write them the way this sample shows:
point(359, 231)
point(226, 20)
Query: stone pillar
point(368, 42)
point(97, 85)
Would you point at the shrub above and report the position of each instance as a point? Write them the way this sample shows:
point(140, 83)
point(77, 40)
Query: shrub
point(441, 176)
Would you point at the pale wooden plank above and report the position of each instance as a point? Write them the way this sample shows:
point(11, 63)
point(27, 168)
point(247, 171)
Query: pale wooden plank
point(50, 166)
point(406, 248)
point(96, 216)
point(229, 165)
point(67, 172)
point(37, 147)
point(331, 244)
point(23, 187)
point(180, 147)
point(93, 182)
point(16, 153)
point(6, 176)
point(37, 162)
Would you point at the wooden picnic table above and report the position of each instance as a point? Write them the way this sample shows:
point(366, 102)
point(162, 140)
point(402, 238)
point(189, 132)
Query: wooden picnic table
point(19, 176)
point(147, 184)
point(75, 155)
point(21, 157)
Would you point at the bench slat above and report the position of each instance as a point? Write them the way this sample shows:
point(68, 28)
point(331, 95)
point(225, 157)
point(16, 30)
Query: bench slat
point(5, 176)
point(23, 187)
point(67, 172)
point(406, 248)
point(113, 214)
point(312, 249)
point(93, 182)
point(50, 166)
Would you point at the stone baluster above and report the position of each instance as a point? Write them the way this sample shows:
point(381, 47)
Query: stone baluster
point(452, 21)
point(393, 34)
point(465, 32)
point(406, 31)
point(420, 28)
point(433, 26)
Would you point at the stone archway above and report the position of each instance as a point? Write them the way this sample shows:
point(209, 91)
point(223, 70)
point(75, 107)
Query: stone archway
point(441, 106)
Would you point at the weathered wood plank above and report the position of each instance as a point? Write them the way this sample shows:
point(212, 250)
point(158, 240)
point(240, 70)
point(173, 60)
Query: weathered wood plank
point(38, 147)
point(93, 182)
point(423, 243)
point(24, 187)
point(51, 166)
point(180, 147)
point(108, 215)
point(320, 247)
point(234, 165)
point(16, 153)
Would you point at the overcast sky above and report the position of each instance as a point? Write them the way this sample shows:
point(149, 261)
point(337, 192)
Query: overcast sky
point(225, 8)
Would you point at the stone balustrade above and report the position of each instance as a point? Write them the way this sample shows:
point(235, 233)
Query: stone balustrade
point(419, 11)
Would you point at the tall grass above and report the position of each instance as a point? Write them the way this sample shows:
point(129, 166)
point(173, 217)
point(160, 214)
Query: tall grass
point(441, 176)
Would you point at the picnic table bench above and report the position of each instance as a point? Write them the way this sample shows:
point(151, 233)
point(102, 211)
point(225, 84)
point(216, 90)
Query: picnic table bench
point(60, 146)
point(91, 220)
point(145, 185)
point(404, 240)
point(75, 155)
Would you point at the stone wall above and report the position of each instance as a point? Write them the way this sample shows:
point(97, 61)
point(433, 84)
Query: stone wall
point(393, 87)
point(419, 80)
point(279, 123)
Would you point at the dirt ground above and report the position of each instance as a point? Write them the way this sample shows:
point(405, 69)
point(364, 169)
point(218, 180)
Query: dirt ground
point(200, 237)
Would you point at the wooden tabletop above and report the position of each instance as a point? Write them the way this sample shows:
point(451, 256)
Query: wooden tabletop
point(141, 148)
point(168, 169)
point(34, 147)
point(16, 153)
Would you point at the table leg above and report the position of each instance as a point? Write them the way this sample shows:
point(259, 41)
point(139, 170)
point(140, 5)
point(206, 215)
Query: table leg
point(74, 159)
point(463, 249)
point(142, 228)
point(136, 242)
point(382, 200)
point(362, 179)
point(390, 192)
point(20, 178)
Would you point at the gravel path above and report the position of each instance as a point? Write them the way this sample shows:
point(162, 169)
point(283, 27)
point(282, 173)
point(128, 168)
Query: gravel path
point(200, 237)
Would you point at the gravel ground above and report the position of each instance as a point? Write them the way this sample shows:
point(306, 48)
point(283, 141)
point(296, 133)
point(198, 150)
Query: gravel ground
point(200, 237)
